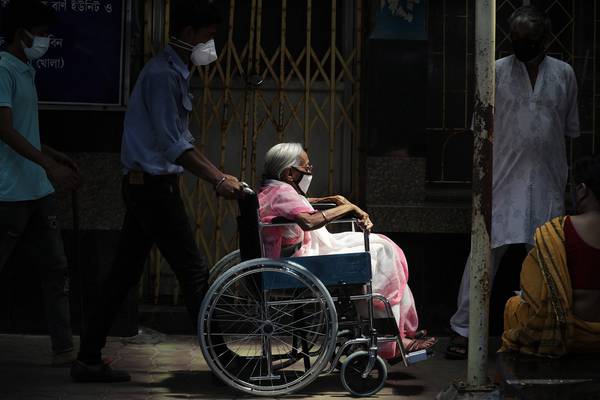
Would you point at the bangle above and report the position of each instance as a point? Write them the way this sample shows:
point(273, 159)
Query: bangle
point(324, 217)
point(223, 179)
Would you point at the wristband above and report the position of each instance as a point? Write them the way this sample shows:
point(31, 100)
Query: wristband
point(223, 179)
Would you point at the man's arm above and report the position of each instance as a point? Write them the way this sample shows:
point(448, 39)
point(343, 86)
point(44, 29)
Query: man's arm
point(60, 157)
point(161, 95)
point(198, 164)
point(57, 173)
point(18, 143)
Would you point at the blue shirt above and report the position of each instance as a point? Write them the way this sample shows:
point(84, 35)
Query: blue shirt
point(156, 129)
point(20, 179)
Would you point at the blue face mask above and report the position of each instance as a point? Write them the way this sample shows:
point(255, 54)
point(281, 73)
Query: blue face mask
point(38, 48)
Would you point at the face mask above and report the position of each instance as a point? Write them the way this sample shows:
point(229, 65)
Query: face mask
point(202, 53)
point(527, 50)
point(304, 183)
point(38, 48)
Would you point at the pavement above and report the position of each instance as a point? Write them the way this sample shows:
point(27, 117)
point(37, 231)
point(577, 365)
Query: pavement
point(172, 367)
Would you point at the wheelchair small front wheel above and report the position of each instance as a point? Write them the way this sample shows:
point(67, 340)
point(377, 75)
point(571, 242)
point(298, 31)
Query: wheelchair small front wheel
point(354, 367)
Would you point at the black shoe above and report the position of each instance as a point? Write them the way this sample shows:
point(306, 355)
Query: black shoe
point(82, 372)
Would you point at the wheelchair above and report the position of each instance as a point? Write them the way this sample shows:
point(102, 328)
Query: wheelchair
point(270, 327)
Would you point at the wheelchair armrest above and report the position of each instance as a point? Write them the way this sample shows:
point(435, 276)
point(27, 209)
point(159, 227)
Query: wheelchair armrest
point(278, 221)
point(281, 220)
point(323, 206)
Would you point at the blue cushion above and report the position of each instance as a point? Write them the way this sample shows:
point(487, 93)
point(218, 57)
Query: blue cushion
point(332, 270)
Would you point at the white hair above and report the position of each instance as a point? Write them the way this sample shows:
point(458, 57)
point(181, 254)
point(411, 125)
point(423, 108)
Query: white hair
point(280, 157)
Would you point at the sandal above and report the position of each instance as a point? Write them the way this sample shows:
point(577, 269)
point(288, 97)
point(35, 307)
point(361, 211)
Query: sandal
point(419, 334)
point(423, 343)
point(420, 342)
point(457, 348)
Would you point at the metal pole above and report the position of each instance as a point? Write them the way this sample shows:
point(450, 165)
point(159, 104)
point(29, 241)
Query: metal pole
point(485, 25)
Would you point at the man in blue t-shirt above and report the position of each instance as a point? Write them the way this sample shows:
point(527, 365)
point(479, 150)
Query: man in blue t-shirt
point(29, 169)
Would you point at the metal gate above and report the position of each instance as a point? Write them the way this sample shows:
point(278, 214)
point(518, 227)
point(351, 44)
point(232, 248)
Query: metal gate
point(288, 70)
point(575, 39)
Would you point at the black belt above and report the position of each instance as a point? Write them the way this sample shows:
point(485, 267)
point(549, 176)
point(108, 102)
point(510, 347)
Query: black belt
point(144, 178)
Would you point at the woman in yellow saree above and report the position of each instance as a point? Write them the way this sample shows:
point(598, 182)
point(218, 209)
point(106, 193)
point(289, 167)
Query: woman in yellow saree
point(558, 310)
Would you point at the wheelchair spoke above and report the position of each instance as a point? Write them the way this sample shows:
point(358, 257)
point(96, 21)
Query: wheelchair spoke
point(247, 290)
point(236, 297)
point(244, 317)
point(302, 338)
point(290, 346)
point(285, 307)
point(285, 311)
point(301, 319)
point(212, 346)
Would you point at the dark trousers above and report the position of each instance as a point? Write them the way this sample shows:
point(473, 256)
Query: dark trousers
point(155, 214)
point(32, 227)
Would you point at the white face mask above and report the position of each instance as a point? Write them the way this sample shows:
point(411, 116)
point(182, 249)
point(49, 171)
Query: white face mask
point(38, 48)
point(304, 183)
point(202, 53)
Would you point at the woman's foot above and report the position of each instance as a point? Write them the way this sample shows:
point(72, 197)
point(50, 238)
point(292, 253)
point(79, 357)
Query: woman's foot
point(420, 341)
point(457, 348)
point(417, 344)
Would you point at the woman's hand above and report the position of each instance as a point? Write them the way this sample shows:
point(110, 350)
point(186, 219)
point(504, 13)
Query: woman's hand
point(363, 219)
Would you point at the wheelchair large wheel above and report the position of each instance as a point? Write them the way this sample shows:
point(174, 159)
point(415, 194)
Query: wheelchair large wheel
point(267, 327)
point(230, 260)
point(354, 367)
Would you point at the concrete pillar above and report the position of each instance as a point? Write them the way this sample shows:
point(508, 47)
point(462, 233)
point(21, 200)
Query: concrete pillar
point(485, 28)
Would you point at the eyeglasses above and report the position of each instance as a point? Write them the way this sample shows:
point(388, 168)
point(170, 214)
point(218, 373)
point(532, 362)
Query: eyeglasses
point(306, 168)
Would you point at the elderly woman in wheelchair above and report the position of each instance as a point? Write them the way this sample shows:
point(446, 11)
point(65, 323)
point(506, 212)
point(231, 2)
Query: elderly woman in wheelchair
point(288, 173)
point(305, 301)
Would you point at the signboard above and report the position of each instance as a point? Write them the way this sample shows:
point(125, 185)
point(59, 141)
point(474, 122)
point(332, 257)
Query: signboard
point(84, 65)
point(401, 19)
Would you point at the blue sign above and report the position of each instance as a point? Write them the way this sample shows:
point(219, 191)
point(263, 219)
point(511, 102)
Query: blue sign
point(84, 65)
point(401, 19)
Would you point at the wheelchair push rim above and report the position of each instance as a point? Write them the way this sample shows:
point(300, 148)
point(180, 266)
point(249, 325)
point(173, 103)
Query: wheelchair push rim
point(250, 330)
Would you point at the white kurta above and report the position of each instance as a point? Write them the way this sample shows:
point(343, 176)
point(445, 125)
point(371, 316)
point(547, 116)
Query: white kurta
point(530, 163)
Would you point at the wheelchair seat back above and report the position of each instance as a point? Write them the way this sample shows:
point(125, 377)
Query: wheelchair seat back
point(248, 228)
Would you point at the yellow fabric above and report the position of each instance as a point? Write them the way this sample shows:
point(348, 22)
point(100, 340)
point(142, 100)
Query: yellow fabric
point(540, 321)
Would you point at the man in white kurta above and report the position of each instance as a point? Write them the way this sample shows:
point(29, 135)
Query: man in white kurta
point(532, 118)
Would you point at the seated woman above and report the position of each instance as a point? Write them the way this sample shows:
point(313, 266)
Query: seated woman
point(288, 174)
point(557, 311)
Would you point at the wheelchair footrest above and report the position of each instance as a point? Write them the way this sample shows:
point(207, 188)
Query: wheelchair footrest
point(418, 356)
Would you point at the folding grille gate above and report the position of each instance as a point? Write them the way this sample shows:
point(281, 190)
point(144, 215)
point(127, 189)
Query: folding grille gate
point(288, 70)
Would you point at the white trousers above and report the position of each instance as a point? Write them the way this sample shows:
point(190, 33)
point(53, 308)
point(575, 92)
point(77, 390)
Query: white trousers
point(460, 320)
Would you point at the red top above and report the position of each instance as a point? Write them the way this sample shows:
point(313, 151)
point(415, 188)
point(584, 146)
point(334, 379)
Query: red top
point(583, 260)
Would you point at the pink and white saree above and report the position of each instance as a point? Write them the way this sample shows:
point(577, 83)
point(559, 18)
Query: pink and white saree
point(389, 266)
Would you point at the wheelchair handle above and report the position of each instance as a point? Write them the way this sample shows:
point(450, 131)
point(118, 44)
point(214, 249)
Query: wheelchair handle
point(366, 234)
point(246, 189)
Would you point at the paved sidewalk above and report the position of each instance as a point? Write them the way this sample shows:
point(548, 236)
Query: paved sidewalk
point(172, 367)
